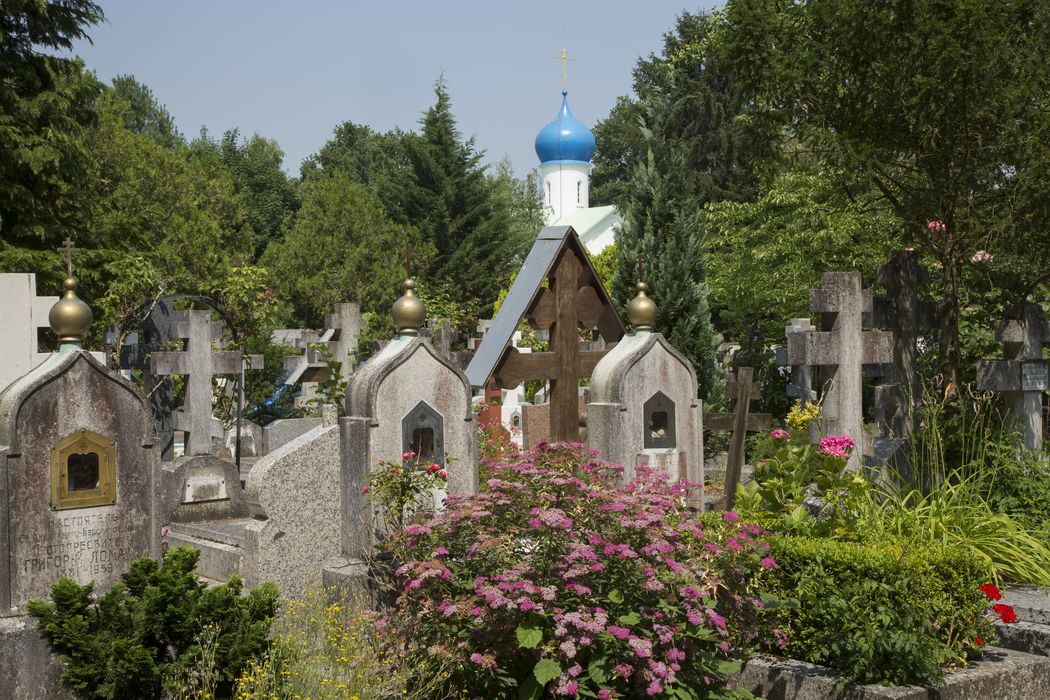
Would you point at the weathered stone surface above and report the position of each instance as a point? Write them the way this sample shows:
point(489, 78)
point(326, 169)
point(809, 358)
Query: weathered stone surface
point(201, 487)
point(27, 668)
point(1002, 674)
point(1029, 637)
point(389, 388)
point(284, 430)
point(842, 350)
point(293, 493)
point(69, 392)
point(1022, 376)
point(625, 429)
point(200, 362)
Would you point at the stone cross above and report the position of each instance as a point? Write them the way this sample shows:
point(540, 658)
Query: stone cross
point(200, 362)
point(562, 307)
point(741, 390)
point(22, 314)
point(1022, 375)
point(843, 350)
point(801, 385)
point(907, 314)
point(346, 322)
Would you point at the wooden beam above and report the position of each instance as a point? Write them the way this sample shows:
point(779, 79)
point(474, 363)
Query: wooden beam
point(565, 342)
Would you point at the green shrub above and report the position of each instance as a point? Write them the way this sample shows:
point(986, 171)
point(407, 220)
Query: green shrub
point(155, 629)
point(882, 613)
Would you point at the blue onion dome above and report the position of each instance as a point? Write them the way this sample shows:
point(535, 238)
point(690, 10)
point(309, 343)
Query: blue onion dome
point(566, 139)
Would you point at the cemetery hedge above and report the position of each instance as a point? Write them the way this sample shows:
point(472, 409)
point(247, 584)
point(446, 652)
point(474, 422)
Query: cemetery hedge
point(882, 612)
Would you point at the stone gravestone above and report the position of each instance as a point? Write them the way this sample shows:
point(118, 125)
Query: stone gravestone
point(293, 494)
point(346, 323)
point(199, 485)
point(644, 407)
point(573, 297)
point(907, 315)
point(307, 369)
point(842, 350)
point(21, 315)
point(406, 398)
point(801, 385)
point(741, 391)
point(1022, 375)
point(78, 460)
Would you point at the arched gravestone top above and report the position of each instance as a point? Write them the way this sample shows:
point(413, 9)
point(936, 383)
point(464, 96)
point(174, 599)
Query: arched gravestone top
point(363, 389)
point(41, 540)
point(609, 380)
point(59, 364)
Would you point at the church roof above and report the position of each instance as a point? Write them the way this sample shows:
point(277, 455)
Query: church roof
point(566, 139)
point(589, 223)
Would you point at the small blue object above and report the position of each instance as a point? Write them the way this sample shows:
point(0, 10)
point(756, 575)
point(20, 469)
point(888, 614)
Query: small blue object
point(566, 139)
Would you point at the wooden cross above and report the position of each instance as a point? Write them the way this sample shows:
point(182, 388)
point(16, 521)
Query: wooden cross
point(741, 390)
point(561, 308)
point(200, 362)
point(68, 249)
point(564, 58)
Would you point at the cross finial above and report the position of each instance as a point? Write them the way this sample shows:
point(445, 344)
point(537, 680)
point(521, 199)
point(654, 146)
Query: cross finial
point(640, 258)
point(68, 249)
point(409, 257)
point(564, 58)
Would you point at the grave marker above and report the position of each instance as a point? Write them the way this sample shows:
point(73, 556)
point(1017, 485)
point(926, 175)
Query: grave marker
point(842, 350)
point(573, 297)
point(741, 390)
point(1022, 376)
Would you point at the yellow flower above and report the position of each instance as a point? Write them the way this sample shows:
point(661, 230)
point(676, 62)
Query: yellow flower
point(800, 415)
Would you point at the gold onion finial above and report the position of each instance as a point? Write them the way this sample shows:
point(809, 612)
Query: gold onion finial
point(409, 312)
point(641, 312)
point(70, 317)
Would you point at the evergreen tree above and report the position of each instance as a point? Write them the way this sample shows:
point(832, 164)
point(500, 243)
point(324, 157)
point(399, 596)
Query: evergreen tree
point(662, 221)
point(145, 115)
point(451, 202)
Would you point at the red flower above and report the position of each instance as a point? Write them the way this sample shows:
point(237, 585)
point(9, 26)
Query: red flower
point(364, 489)
point(1005, 612)
point(978, 640)
point(443, 474)
point(992, 592)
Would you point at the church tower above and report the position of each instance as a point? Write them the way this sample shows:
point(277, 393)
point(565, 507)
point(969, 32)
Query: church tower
point(565, 147)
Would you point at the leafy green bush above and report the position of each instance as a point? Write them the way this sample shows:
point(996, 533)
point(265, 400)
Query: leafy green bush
point(882, 613)
point(153, 629)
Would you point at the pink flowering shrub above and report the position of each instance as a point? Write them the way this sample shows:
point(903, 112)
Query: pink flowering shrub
point(554, 581)
point(836, 446)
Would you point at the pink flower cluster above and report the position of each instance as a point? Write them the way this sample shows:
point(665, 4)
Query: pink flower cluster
point(624, 573)
point(779, 434)
point(837, 446)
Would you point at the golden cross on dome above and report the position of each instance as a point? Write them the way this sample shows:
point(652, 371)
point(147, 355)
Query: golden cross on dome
point(564, 58)
point(409, 258)
point(68, 249)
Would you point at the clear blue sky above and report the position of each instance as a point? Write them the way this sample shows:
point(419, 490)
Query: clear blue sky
point(292, 71)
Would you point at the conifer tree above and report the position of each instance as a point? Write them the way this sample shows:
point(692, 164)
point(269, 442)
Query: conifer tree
point(451, 202)
point(662, 221)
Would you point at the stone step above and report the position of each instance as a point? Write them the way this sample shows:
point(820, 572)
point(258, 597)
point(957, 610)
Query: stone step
point(229, 532)
point(1031, 603)
point(219, 542)
point(1029, 637)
